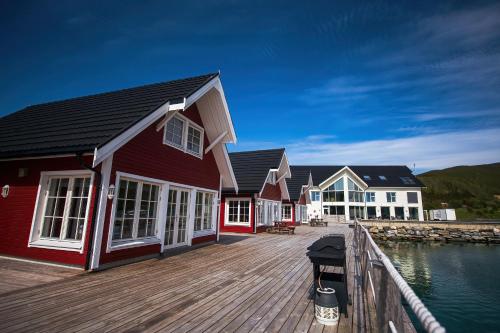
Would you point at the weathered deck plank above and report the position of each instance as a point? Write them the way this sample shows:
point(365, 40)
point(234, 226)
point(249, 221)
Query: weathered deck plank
point(246, 283)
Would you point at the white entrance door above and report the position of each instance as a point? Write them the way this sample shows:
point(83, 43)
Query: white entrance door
point(177, 217)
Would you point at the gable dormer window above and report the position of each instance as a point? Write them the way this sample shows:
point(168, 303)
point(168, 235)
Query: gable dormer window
point(183, 134)
point(271, 179)
point(194, 140)
point(174, 131)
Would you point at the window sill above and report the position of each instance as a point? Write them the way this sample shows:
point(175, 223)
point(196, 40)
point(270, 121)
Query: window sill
point(236, 224)
point(201, 233)
point(120, 245)
point(57, 245)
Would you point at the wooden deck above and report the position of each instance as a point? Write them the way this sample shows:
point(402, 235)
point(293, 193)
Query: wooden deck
point(257, 283)
point(16, 274)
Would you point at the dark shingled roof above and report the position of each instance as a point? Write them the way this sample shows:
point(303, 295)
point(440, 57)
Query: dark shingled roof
point(392, 173)
point(300, 177)
point(252, 167)
point(84, 123)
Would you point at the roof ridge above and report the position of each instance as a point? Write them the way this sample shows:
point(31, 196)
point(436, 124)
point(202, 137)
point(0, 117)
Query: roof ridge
point(257, 151)
point(208, 75)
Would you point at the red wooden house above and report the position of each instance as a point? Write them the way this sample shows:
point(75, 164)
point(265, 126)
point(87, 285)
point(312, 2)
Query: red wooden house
point(294, 210)
point(100, 180)
point(261, 178)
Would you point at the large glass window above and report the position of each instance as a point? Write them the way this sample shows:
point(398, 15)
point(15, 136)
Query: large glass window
point(286, 212)
point(238, 211)
point(371, 212)
point(356, 212)
point(334, 193)
point(335, 210)
point(315, 196)
point(413, 211)
point(385, 213)
point(136, 210)
point(203, 211)
point(65, 210)
point(399, 213)
point(391, 196)
point(355, 192)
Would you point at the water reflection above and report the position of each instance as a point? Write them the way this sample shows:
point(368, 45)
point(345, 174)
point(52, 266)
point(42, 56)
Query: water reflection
point(457, 282)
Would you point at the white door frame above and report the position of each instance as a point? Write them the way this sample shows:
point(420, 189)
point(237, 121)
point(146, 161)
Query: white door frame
point(188, 235)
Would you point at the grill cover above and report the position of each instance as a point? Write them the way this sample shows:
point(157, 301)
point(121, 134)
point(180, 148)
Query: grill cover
point(328, 250)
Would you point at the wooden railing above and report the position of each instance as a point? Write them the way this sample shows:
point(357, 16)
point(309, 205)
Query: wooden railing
point(384, 286)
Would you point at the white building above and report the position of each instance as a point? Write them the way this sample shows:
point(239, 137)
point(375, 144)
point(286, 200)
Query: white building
point(368, 192)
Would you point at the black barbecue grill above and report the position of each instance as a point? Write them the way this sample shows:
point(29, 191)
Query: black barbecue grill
point(330, 250)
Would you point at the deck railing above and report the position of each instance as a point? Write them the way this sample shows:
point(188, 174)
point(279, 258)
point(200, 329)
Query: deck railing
point(383, 287)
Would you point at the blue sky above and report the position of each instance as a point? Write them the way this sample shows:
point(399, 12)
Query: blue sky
point(403, 82)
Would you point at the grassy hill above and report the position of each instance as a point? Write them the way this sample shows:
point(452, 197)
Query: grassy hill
point(474, 191)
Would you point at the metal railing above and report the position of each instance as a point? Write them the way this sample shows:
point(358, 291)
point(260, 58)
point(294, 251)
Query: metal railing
point(383, 286)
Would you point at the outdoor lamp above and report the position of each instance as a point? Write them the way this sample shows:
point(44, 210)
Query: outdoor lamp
point(326, 306)
point(111, 191)
point(5, 191)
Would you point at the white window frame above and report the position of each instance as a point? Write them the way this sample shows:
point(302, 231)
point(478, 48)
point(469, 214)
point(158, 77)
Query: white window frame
point(370, 194)
point(282, 211)
point(392, 195)
point(35, 239)
point(211, 230)
point(134, 242)
point(226, 210)
point(260, 212)
point(183, 147)
point(315, 192)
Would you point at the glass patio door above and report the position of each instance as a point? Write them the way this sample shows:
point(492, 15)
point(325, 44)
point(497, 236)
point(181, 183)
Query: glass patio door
point(177, 217)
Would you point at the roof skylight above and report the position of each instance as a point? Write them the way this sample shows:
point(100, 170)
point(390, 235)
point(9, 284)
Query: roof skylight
point(407, 180)
point(382, 177)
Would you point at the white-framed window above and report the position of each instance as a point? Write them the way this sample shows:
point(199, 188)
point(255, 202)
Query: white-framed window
point(269, 213)
point(136, 210)
point(260, 212)
point(183, 134)
point(203, 217)
point(412, 197)
point(286, 212)
point(391, 196)
point(62, 210)
point(355, 192)
point(303, 213)
point(238, 211)
point(271, 178)
point(370, 196)
point(315, 195)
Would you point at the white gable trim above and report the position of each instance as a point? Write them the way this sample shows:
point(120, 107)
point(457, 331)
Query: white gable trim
point(100, 154)
point(281, 179)
point(327, 182)
point(231, 172)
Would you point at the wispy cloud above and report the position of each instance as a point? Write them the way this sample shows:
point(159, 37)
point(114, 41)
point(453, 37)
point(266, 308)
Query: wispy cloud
point(427, 151)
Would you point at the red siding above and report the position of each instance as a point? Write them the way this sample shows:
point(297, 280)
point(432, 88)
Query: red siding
point(271, 192)
point(204, 239)
point(17, 209)
point(147, 156)
point(233, 228)
point(302, 199)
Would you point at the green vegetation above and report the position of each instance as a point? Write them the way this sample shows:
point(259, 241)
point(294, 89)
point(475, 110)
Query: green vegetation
point(474, 191)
